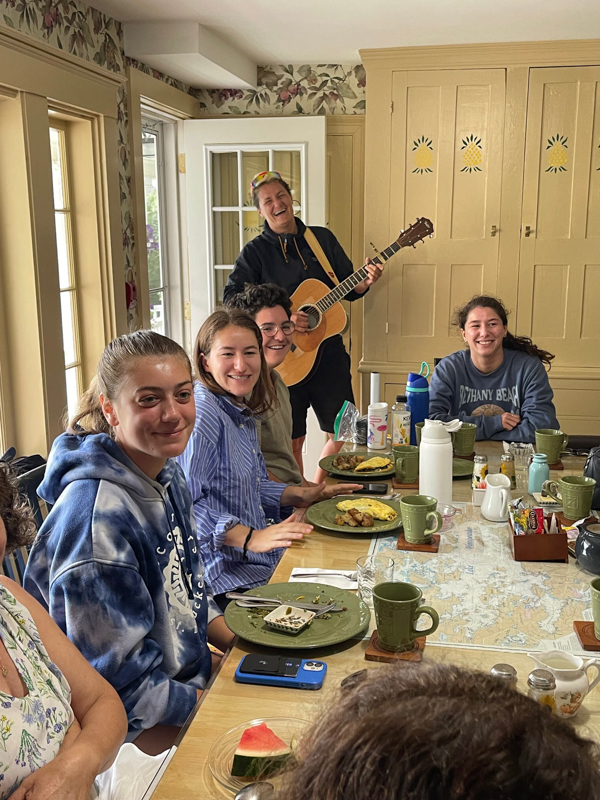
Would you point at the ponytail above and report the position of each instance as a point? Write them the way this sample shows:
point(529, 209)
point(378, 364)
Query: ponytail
point(89, 417)
point(525, 345)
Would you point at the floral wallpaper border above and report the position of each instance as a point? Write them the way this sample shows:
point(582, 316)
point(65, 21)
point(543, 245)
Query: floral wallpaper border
point(282, 90)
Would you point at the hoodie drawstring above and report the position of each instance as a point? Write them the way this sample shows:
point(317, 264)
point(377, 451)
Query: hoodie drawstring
point(283, 244)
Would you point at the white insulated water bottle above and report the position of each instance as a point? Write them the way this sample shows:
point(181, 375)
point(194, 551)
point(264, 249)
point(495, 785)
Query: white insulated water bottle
point(435, 462)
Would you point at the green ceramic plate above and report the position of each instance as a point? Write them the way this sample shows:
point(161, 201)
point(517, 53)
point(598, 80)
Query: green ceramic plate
point(323, 514)
point(362, 477)
point(461, 468)
point(339, 627)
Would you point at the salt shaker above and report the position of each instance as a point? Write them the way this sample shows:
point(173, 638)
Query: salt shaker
point(542, 685)
point(505, 672)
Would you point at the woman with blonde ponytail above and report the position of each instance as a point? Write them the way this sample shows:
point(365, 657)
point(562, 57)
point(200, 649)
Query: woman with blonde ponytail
point(116, 562)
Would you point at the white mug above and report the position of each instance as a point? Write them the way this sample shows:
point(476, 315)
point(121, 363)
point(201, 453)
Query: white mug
point(494, 505)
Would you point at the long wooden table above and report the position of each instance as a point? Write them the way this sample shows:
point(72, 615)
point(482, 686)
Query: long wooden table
point(228, 704)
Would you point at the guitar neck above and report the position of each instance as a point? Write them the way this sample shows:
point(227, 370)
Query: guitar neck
point(352, 281)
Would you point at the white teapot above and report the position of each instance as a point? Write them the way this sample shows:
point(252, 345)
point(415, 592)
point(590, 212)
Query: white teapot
point(570, 674)
point(494, 505)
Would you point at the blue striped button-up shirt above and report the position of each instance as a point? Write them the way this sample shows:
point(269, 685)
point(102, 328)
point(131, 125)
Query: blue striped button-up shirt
point(228, 481)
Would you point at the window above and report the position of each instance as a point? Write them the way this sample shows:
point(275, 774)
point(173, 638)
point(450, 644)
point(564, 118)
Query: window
point(234, 220)
point(156, 228)
point(66, 268)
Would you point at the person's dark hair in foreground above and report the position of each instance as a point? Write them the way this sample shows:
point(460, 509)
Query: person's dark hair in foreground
point(436, 732)
point(15, 511)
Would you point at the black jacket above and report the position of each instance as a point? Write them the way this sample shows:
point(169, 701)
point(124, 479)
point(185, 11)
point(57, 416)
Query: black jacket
point(287, 260)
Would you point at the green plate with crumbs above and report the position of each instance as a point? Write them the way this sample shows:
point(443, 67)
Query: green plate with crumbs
point(339, 627)
point(322, 514)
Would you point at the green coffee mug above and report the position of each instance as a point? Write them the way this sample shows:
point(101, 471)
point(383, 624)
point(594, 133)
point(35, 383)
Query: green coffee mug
point(418, 431)
point(464, 439)
point(551, 442)
point(397, 609)
point(595, 589)
point(406, 458)
point(574, 493)
point(418, 511)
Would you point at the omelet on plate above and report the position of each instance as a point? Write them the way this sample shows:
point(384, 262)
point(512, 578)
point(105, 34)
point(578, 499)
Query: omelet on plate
point(365, 505)
point(377, 462)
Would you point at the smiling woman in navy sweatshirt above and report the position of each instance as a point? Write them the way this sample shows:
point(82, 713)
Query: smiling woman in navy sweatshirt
point(499, 383)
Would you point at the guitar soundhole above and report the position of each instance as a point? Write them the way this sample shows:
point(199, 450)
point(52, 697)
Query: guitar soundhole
point(314, 316)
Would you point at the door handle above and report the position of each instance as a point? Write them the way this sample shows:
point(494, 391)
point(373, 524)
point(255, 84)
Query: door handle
point(494, 230)
point(528, 231)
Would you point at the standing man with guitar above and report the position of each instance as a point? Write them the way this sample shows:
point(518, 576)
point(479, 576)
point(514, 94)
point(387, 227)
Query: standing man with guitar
point(282, 255)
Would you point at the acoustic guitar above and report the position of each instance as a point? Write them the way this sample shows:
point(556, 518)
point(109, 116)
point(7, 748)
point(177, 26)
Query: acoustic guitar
point(326, 317)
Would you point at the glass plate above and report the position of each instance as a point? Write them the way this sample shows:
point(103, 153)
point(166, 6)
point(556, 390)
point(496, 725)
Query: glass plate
point(341, 625)
point(220, 757)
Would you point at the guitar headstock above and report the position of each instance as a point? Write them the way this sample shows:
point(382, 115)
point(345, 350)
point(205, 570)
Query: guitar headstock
point(420, 229)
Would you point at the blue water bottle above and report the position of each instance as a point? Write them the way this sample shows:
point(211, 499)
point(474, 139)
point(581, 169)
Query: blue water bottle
point(539, 471)
point(417, 393)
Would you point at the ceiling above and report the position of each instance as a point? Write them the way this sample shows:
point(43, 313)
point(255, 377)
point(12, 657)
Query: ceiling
point(333, 31)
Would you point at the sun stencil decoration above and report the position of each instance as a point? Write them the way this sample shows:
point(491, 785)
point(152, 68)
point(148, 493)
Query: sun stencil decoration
point(422, 155)
point(557, 153)
point(472, 153)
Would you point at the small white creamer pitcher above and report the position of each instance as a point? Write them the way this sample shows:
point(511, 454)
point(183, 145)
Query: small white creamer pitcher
point(570, 674)
point(494, 505)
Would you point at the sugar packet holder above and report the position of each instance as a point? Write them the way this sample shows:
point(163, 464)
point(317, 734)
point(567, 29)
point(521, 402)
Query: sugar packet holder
point(526, 520)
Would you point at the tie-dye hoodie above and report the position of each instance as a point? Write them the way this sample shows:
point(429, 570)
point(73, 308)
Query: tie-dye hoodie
point(116, 563)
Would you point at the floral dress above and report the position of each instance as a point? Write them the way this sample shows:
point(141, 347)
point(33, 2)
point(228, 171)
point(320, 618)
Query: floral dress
point(33, 727)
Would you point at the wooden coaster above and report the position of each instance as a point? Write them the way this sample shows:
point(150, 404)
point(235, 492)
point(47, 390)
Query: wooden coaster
point(430, 547)
point(470, 457)
point(397, 485)
point(375, 651)
point(585, 634)
point(559, 465)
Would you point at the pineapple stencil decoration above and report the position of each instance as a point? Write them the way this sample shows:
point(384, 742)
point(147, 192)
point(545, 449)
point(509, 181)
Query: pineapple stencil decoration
point(472, 153)
point(422, 155)
point(556, 151)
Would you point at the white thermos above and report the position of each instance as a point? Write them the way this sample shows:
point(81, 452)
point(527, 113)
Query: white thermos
point(377, 419)
point(435, 462)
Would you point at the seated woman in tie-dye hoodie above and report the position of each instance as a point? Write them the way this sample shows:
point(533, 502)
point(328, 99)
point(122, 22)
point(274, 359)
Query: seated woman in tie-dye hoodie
point(116, 561)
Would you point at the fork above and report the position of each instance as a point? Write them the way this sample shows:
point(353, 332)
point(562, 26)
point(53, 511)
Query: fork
point(351, 576)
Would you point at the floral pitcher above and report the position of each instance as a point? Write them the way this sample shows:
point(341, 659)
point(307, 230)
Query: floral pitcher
point(570, 674)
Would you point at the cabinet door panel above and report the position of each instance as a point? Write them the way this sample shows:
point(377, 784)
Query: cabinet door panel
point(559, 281)
point(446, 164)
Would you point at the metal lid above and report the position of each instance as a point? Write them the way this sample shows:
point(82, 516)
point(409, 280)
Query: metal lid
point(507, 457)
point(480, 459)
point(504, 671)
point(401, 398)
point(541, 679)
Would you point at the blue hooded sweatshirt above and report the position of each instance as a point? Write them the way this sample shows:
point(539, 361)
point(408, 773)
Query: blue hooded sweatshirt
point(519, 385)
point(116, 564)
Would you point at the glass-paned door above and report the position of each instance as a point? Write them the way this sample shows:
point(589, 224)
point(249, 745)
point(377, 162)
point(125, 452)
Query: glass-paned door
point(222, 156)
point(235, 221)
point(66, 267)
point(153, 163)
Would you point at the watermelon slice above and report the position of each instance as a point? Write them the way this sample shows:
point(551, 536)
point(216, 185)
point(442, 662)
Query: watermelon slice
point(260, 753)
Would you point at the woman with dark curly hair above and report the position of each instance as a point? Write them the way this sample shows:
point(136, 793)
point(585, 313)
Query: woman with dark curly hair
point(499, 383)
point(436, 732)
point(61, 722)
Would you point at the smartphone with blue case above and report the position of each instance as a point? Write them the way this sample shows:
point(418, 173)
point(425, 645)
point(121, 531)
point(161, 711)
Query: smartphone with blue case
point(293, 673)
